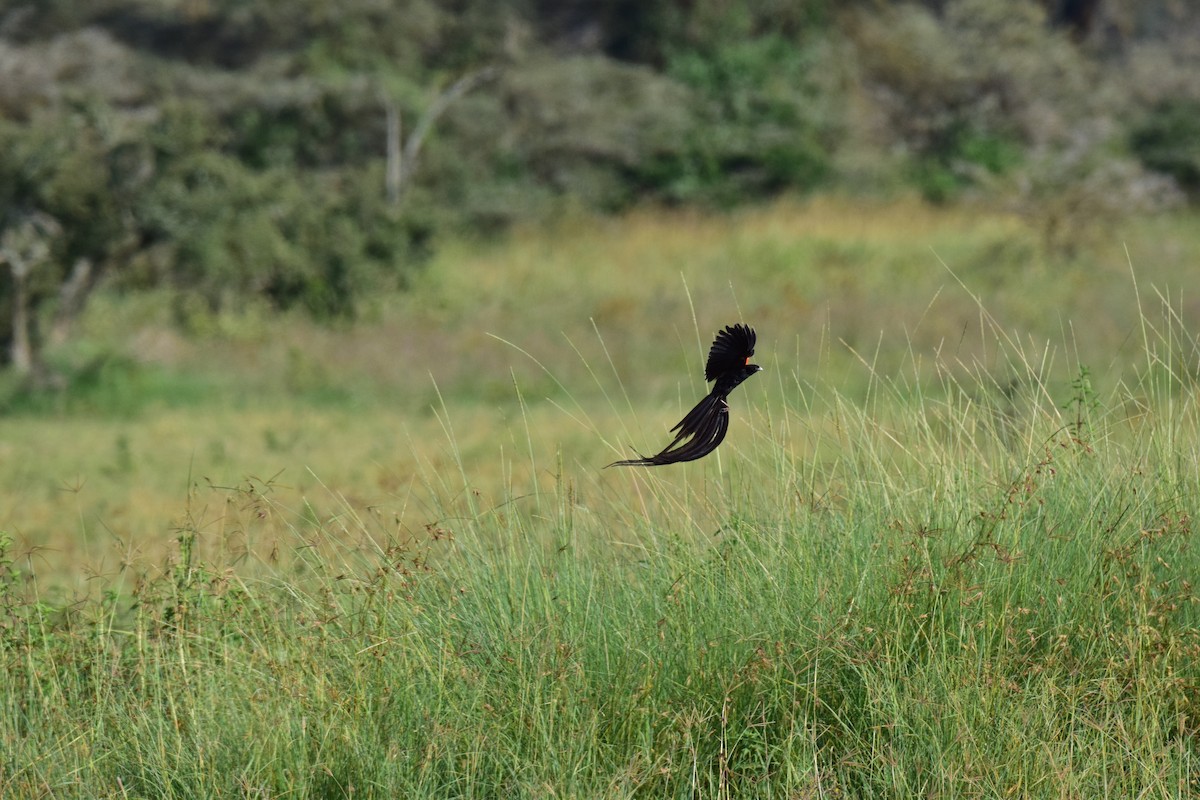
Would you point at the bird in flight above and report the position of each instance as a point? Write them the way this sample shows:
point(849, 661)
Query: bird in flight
point(705, 426)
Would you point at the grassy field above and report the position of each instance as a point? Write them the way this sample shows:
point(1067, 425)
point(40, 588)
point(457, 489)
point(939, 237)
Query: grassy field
point(947, 549)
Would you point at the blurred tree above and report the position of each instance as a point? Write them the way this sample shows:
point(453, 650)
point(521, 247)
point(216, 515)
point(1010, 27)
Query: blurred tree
point(66, 182)
point(238, 149)
point(968, 94)
point(764, 120)
point(583, 126)
point(402, 160)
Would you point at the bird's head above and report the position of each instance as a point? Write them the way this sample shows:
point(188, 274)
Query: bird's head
point(743, 372)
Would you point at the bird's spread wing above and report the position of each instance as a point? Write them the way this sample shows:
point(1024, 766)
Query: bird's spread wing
point(730, 350)
point(698, 434)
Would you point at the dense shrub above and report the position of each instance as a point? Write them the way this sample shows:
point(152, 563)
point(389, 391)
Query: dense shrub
point(764, 123)
point(967, 93)
point(1168, 140)
point(583, 126)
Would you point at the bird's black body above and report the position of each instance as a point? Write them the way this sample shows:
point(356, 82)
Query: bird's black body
point(705, 426)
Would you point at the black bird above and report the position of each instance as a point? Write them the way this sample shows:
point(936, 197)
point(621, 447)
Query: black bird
point(705, 426)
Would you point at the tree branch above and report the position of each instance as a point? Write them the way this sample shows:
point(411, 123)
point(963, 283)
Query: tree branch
point(405, 163)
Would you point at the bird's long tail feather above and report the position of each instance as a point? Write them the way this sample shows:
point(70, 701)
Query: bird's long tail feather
point(699, 433)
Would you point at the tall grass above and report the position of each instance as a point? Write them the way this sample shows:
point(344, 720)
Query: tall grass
point(841, 293)
point(968, 578)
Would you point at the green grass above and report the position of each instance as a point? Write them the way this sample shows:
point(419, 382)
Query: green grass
point(912, 569)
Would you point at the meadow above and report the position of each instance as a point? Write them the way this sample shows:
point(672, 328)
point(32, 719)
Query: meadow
point(946, 550)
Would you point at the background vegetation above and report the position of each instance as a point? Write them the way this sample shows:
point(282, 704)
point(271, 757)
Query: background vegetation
point(312, 154)
point(322, 318)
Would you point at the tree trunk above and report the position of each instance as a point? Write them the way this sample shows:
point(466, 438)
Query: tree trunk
point(24, 248)
point(26, 347)
point(20, 350)
point(395, 167)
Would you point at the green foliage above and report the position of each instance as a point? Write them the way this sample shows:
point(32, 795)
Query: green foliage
point(763, 126)
point(961, 161)
point(11, 600)
point(237, 232)
point(657, 31)
point(586, 125)
point(1168, 140)
point(67, 165)
point(964, 92)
